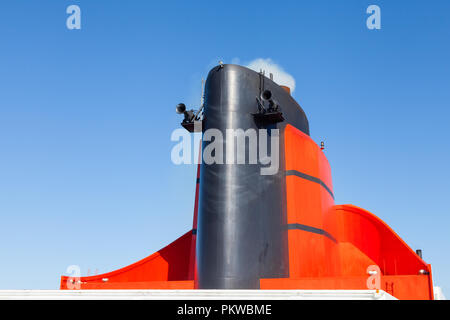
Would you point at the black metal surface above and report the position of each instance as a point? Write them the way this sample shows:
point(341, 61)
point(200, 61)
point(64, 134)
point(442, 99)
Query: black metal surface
point(269, 117)
point(241, 234)
point(193, 126)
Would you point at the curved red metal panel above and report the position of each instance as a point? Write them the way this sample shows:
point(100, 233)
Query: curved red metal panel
point(374, 238)
point(171, 263)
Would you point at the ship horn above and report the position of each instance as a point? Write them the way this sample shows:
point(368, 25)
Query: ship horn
point(181, 108)
point(266, 95)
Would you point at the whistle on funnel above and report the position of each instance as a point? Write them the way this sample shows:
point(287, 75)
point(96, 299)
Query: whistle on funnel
point(191, 117)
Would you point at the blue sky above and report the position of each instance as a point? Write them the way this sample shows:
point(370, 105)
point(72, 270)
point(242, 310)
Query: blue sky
point(86, 117)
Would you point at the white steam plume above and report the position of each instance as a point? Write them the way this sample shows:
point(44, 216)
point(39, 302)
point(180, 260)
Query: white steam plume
point(280, 76)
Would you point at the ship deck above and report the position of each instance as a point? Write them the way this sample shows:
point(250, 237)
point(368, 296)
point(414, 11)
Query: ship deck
point(195, 295)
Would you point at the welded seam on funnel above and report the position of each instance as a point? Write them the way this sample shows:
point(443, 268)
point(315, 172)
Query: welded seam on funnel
point(309, 178)
point(298, 226)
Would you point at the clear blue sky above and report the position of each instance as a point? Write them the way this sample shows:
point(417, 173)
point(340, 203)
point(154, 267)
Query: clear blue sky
point(86, 117)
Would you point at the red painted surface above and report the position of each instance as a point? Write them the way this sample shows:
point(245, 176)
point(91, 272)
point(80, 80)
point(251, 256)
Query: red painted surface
point(172, 267)
point(358, 239)
point(168, 265)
